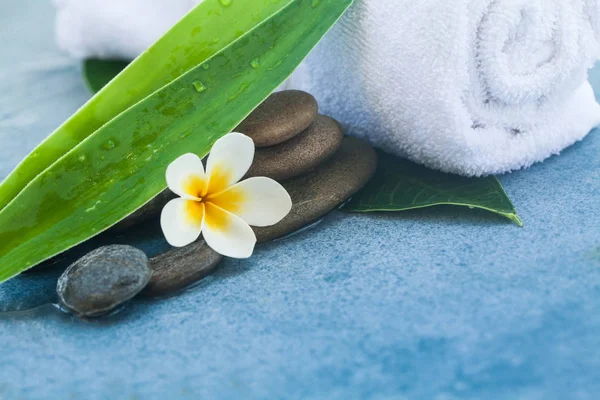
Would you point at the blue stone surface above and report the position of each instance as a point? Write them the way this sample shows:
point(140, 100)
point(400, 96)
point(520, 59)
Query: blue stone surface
point(444, 303)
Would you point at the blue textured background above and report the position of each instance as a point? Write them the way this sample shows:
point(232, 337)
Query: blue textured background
point(440, 304)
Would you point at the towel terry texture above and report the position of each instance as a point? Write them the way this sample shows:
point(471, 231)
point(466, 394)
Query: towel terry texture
point(473, 87)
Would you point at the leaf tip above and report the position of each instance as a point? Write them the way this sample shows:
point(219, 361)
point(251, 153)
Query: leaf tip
point(516, 219)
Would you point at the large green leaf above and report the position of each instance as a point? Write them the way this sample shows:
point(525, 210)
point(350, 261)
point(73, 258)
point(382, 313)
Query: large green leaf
point(401, 185)
point(207, 29)
point(121, 166)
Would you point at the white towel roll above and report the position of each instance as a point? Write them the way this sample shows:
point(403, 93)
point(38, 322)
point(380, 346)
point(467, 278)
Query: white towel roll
point(473, 87)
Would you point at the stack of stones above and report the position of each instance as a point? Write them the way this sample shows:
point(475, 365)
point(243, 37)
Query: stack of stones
point(305, 151)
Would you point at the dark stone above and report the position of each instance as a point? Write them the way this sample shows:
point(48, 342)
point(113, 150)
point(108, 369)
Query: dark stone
point(103, 279)
point(181, 267)
point(147, 211)
point(301, 153)
point(325, 188)
point(280, 117)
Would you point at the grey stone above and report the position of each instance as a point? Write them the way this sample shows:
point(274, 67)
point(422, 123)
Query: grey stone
point(301, 153)
point(147, 211)
point(324, 188)
point(103, 279)
point(280, 117)
point(181, 267)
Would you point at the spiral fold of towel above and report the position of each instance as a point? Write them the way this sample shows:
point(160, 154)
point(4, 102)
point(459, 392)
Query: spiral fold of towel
point(473, 87)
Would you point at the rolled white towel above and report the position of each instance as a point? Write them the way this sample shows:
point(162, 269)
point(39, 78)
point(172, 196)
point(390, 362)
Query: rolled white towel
point(473, 87)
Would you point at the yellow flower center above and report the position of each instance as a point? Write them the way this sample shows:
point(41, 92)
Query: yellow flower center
point(195, 186)
point(220, 179)
point(195, 210)
point(215, 199)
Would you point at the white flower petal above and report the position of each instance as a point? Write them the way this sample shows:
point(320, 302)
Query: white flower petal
point(186, 177)
point(181, 221)
point(229, 160)
point(259, 201)
point(227, 234)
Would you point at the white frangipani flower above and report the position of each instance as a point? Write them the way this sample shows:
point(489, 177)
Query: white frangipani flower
point(215, 204)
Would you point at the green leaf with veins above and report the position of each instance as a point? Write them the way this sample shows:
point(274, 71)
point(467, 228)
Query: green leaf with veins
point(400, 185)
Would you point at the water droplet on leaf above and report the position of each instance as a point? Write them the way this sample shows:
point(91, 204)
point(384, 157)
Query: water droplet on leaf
point(199, 86)
point(185, 134)
point(242, 89)
point(109, 145)
point(277, 65)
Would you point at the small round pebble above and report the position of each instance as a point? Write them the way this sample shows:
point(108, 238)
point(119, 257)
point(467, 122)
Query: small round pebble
point(280, 117)
point(325, 188)
point(181, 267)
point(103, 279)
point(301, 153)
